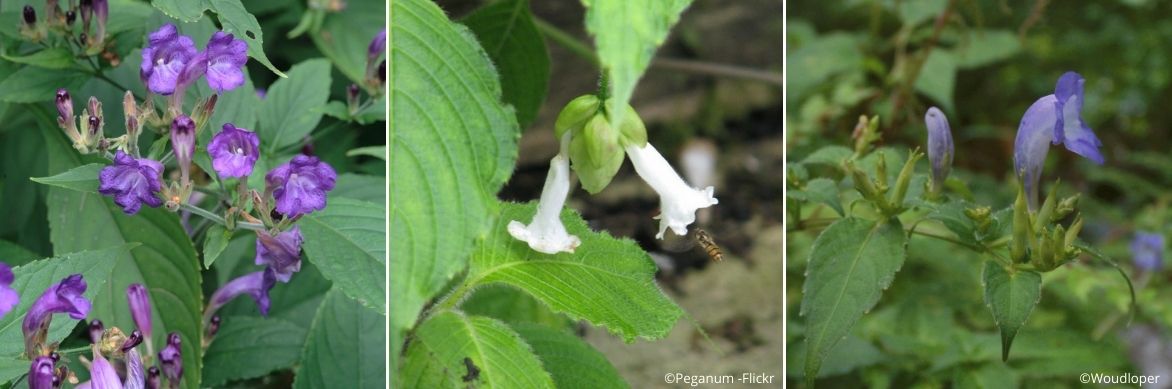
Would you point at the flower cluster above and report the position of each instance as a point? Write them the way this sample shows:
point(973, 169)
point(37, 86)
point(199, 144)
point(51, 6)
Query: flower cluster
point(62, 22)
point(171, 63)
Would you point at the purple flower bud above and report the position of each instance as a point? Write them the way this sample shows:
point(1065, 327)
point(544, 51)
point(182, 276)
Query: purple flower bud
point(1147, 250)
point(62, 297)
point(152, 380)
point(225, 57)
point(281, 253)
point(377, 46)
point(234, 151)
point(41, 373)
point(140, 307)
point(261, 92)
point(214, 325)
point(1054, 118)
point(256, 284)
point(940, 148)
point(183, 143)
point(352, 97)
point(102, 373)
point(102, 11)
point(70, 17)
point(87, 13)
point(300, 185)
point(96, 331)
point(135, 376)
point(8, 296)
point(132, 341)
point(64, 106)
point(165, 58)
point(30, 16)
point(171, 359)
point(382, 72)
point(132, 182)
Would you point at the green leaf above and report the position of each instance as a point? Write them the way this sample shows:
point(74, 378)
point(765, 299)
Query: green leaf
point(12, 367)
point(50, 58)
point(570, 360)
point(347, 242)
point(290, 110)
point(379, 152)
point(236, 20)
point(608, 282)
point(130, 15)
point(819, 60)
point(237, 106)
point(917, 11)
point(16, 255)
point(346, 347)
point(506, 31)
point(345, 36)
point(1096, 254)
point(850, 265)
point(186, 11)
point(82, 178)
point(436, 356)
point(829, 155)
point(165, 262)
point(1011, 295)
point(626, 34)
point(32, 84)
point(984, 47)
point(512, 306)
point(937, 78)
point(215, 241)
point(247, 347)
point(822, 190)
point(361, 187)
point(440, 201)
point(31, 280)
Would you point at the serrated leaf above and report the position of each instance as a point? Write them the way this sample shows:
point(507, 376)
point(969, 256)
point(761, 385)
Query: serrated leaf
point(186, 11)
point(441, 77)
point(215, 241)
point(345, 36)
point(346, 347)
point(236, 20)
point(824, 190)
point(347, 243)
point(506, 31)
point(50, 58)
point(31, 280)
point(569, 359)
point(952, 216)
point(829, 155)
point(498, 355)
point(1011, 296)
point(165, 262)
point(247, 347)
point(511, 305)
point(607, 281)
point(626, 35)
point(32, 84)
point(290, 109)
point(850, 265)
point(82, 178)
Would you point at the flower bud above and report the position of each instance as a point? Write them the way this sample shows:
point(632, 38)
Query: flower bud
point(132, 341)
point(632, 130)
point(863, 183)
point(1046, 214)
point(1021, 228)
point(183, 144)
point(41, 373)
point(172, 360)
point(96, 331)
point(575, 115)
point(94, 122)
point(87, 12)
point(1066, 206)
point(595, 154)
point(29, 16)
point(102, 12)
point(352, 98)
point(1072, 233)
point(904, 179)
point(70, 17)
point(140, 307)
point(152, 379)
point(940, 147)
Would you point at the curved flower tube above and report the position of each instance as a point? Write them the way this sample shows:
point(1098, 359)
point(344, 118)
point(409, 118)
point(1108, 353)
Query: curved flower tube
point(546, 233)
point(63, 297)
point(281, 253)
point(940, 147)
point(678, 202)
point(1054, 118)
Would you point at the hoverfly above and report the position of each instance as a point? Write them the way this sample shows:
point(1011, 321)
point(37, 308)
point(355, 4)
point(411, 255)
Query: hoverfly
point(709, 245)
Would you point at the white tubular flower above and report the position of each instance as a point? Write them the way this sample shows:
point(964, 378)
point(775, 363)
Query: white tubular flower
point(546, 233)
point(678, 202)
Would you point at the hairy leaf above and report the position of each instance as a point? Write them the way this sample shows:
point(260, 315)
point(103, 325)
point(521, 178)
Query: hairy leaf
point(1011, 295)
point(506, 31)
point(347, 242)
point(570, 360)
point(292, 107)
point(346, 347)
point(496, 356)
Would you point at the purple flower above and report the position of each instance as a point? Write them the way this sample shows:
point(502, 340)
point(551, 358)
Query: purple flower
point(234, 151)
point(8, 296)
point(256, 284)
point(1147, 250)
point(63, 297)
point(300, 185)
point(281, 253)
point(940, 148)
point(1054, 118)
point(171, 359)
point(132, 182)
point(152, 380)
point(41, 374)
point(102, 373)
point(165, 59)
point(102, 12)
point(377, 46)
point(135, 375)
point(140, 307)
point(183, 143)
point(225, 57)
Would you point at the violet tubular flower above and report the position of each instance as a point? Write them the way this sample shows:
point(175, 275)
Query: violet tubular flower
point(1054, 118)
point(940, 147)
point(62, 297)
point(102, 373)
point(256, 284)
point(281, 253)
point(140, 308)
point(545, 233)
point(183, 144)
point(234, 151)
point(225, 57)
point(165, 59)
point(8, 296)
point(42, 375)
point(1147, 250)
point(132, 182)
point(678, 202)
point(300, 185)
point(171, 360)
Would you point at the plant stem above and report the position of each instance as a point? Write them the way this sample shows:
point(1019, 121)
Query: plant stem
point(219, 219)
point(564, 39)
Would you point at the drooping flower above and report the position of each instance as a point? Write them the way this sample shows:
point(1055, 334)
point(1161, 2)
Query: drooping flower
point(234, 151)
point(8, 296)
point(281, 253)
point(42, 375)
point(140, 307)
point(132, 182)
point(171, 359)
point(1054, 118)
point(678, 202)
point(1147, 250)
point(378, 45)
point(183, 143)
point(62, 297)
point(300, 185)
point(546, 233)
point(225, 57)
point(165, 58)
point(940, 148)
point(256, 284)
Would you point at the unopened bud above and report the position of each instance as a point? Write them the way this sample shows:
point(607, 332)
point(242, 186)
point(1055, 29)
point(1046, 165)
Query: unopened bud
point(1046, 213)
point(30, 16)
point(905, 178)
point(1072, 233)
point(70, 17)
point(352, 98)
point(96, 331)
point(214, 325)
point(1066, 206)
point(632, 130)
point(134, 340)
point(575, 115)
point(595, 154)
point(1021, 228)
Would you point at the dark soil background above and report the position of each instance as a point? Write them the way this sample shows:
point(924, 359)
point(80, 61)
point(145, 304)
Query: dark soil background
point(736, 301)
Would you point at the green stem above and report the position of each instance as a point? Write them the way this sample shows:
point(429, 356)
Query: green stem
point(565, 40)
point(219, 219)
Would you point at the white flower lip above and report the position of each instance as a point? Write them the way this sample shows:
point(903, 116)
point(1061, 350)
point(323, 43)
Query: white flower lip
point(678, 202)
point(546, 233)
